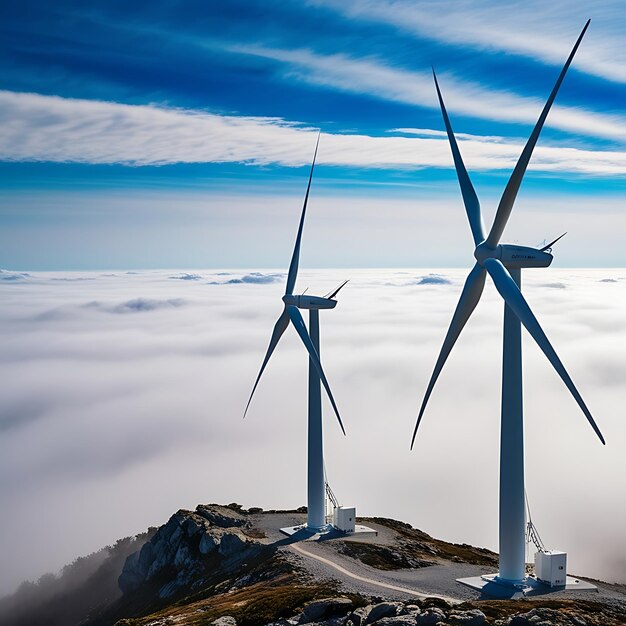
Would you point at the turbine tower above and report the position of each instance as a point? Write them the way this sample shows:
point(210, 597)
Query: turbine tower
point(504, 262)
point(316, 482)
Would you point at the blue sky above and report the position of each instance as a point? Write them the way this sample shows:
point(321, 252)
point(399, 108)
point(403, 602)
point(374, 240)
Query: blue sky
point(176, 134)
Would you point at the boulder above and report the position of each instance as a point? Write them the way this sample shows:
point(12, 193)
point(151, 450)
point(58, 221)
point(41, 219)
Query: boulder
point(384, 609)
point(473, 617)
point(225, 620)
point(194, 524)
point(357, 617)
point(220, 515)
point(430, 617)
point(397, 620)
point(322, 609)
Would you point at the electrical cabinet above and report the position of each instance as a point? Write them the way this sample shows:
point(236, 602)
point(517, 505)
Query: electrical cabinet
point(551, 567)
point(344, 519)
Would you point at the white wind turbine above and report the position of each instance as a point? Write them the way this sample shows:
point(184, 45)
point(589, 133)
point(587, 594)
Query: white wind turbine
point(503, 262)
point(316, 482)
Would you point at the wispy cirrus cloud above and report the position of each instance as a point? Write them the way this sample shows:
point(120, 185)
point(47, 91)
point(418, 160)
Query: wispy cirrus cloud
point(534, 29)
point(370, 76)
point(35, 127)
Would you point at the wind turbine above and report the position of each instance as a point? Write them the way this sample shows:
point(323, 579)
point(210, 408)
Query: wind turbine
point(316, 482)
point(504, 262)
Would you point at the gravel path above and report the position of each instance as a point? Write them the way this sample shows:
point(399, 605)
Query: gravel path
point(319, 556)
point(368, 581)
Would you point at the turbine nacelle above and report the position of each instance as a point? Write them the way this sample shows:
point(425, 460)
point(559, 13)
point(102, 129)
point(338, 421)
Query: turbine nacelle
point(309, 302)
point(513, 256)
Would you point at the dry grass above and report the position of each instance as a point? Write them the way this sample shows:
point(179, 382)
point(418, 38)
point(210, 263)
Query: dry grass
point(252, 606)
point(593, 613)
point(420, 545)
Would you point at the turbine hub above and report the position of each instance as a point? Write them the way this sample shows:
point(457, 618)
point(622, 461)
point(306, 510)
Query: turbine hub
point(484, 252)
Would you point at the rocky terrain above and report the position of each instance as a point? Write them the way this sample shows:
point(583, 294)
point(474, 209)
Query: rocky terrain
point(226, 566)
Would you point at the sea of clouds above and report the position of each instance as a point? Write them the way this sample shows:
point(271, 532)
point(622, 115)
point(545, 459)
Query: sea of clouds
point(122, 394)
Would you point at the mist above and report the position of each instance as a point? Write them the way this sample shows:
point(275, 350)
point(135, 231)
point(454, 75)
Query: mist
point(122, 395)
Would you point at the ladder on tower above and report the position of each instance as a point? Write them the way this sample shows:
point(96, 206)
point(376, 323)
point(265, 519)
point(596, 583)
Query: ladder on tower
point(532, 534)
point(332, 502)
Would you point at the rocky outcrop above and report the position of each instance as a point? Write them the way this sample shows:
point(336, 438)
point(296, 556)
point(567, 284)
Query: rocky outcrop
point(436, 612)
point(219, 565)
point(222, 516)
point(544, 616)
point(179, 555)
point(383, 614)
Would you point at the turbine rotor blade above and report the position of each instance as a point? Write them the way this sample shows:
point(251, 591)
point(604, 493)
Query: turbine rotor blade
point(470, 296)
point(552, 243)
point(279, 328)
point(301, 329)
point(295, 257)
point(510, 193)
point(333, 293)
point(517, 303)
point(470, 199)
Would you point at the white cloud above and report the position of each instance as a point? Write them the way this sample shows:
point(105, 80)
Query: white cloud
point(34, 127)
point(373, 77)
point(13, 276)
point(134, 416)
point(427, 132)
point(186, 276)
point(533, 29)
point(137, 305)
point(254, 278)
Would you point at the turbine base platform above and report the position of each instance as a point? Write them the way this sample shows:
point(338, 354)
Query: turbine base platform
point(328, 532)
point(492, 585)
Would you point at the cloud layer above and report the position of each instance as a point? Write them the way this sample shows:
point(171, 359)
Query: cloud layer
point(112, 421)
point(34, 127)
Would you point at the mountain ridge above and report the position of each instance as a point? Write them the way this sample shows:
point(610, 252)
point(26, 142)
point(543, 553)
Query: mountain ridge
point(224, 562)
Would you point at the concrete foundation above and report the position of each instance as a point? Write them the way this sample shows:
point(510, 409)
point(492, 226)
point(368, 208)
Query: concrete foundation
point(491, 585)
point(328, 532)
